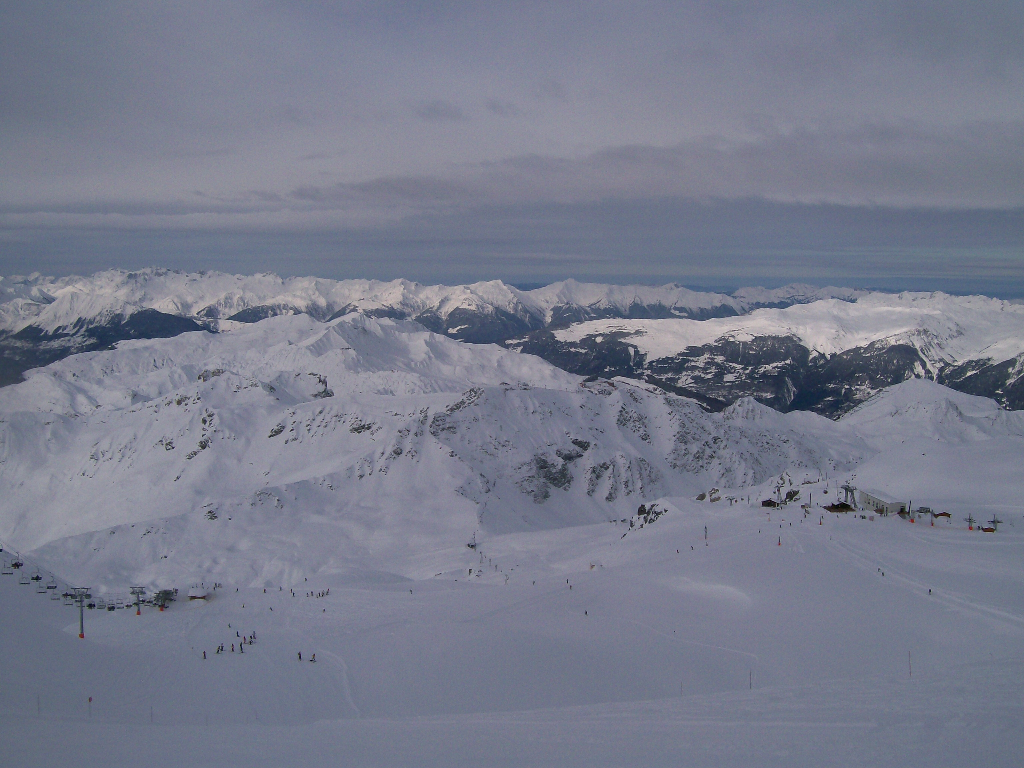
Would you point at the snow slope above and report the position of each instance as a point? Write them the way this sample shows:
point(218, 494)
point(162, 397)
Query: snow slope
point(943, 328)
point(330, 475)
point(739, 652)
point(266, 438)
point(926, 410)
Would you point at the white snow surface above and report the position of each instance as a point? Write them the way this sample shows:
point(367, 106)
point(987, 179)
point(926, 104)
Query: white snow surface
point(722, 633)
point(57, 303)
point(944, 328)
point(236, 422)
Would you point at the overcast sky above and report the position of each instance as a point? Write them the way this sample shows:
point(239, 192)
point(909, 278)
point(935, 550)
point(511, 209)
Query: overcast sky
point(716, 144)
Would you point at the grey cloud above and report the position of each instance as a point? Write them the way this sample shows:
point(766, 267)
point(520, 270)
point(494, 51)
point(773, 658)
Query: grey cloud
point(327, 126)
point(502, 108)
point(387, 193)
point(173, 208)
point(438, 111)
point(975, 166)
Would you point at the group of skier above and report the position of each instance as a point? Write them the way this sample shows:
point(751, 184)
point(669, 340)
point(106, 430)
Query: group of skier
point(242, 642)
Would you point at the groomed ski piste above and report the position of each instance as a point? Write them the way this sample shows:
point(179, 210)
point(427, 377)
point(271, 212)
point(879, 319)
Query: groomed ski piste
point(330, 477)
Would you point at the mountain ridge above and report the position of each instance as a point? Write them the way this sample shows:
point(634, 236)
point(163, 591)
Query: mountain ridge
point(795, 348)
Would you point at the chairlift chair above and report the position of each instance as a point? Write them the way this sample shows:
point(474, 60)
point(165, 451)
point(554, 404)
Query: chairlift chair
point(51, 584)
point(24, 580)
point(68, 600)
point(40, 588)
point(37, 576)
point(7, 570)
point(55, 595)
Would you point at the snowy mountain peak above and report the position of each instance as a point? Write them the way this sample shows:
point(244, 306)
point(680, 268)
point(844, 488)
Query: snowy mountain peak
point(52, 304)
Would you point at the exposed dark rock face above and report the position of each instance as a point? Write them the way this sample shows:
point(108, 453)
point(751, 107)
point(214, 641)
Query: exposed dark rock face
point(144, 324)
point(1003, 382)
point(776, 370)
point(480, 327)
point(834, 384)
point(609, 356)
point(262, 312)
point(764, 368)
point(565, 315)
point(394, 314)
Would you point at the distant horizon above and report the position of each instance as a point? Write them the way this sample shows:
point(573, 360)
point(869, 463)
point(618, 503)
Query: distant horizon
point(1013, 293)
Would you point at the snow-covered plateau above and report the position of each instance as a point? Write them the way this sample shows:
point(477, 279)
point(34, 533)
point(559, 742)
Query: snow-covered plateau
point(498, 562)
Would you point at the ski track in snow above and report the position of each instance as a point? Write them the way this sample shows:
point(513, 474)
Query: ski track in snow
point(959, 601)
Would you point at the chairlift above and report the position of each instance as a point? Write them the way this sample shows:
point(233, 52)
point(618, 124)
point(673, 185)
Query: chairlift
point(36, 576)
point(51, 584)
point(101, 603)
point(16, 564)
point(7, 570)
point(41, 588)
point(55, 595)
point(68, 599)
point(24, 580)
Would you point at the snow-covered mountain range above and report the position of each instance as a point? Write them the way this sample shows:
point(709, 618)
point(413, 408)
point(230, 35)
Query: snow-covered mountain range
point(826, 356)
point(460, 534)
point(292, 445)
point(59, 305)
point(795, 348)
point(43, 319)
point(269, 433)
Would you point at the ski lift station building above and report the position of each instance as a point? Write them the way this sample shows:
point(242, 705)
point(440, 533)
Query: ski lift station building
point(881, 502)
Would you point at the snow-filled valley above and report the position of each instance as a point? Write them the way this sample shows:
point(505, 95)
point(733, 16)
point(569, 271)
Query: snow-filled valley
point(456, 532)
